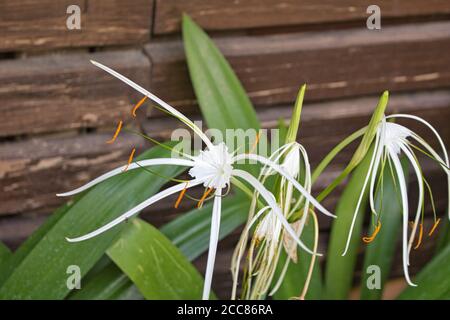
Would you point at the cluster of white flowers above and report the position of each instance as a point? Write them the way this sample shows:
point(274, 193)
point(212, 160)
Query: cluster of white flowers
point(214, 168)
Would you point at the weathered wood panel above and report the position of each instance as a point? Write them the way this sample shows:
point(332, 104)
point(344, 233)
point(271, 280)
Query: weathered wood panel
point(60, 92)
point(245, 14)
point(30, 24)
point(33, 171)
point(334, 64)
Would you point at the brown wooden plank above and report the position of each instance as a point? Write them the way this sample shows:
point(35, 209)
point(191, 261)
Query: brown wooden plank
point(246, 14)
point(334, 64)
point(31, 24)
point(65, 91)
point(33, 171)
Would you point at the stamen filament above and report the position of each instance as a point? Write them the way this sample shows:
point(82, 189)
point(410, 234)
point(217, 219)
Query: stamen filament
point(180, 197)
point(130, 159)
point(133, 112)
point(207, 191)
point(434, 227)
point(119, 127)
point(374, 234)
point(419, 240)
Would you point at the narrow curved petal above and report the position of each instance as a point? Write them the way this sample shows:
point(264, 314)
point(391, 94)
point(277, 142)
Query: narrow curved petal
point(439, 159)
point(159, 101)
point(165, 193)
point(441, 143)
point(213, 240)
point(418, 173)
point(270, 199)
point(281, 171)
point(134, 165)
point(373, 178)
point(403, 191)
point(378, 145)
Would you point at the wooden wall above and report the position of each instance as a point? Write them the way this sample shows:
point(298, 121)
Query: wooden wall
point(57, 110)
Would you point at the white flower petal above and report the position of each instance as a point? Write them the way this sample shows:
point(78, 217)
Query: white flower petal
point(162, 103)
point(134, 165)
point(270, 199)
point(213, 240)
point(404, 194)
point(418, 173)
point(441, 143)
point(165, 193)
point(280, 170)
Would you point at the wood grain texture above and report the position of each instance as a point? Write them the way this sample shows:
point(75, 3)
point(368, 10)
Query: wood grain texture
point(334, 64)
point(246, 14)
point(30, 24)
point(33, 171)
point(65, 91)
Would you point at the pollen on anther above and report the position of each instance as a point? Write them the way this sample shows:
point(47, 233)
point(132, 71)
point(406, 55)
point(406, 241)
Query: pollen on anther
point(434, 227)
point(133, 112)
point(180, 197)
point(119, 127)
point(419, 240)
point(374, 234)
point(130, 159)
point(202, 199)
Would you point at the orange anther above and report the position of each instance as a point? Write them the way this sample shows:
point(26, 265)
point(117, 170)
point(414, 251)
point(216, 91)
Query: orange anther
point(207, 192)
point(133, 112)
point(180, 197)
point(374, 234)
point(419, 240)
point(119, 127)
point(130, 159)
point(258, 136)
point(434, 227)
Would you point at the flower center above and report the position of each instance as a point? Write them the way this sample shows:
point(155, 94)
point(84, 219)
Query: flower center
point(214, 165)
point(395, 136)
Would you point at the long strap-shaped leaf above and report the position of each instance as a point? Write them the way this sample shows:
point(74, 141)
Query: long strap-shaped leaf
point(189, 232)
point(433, 282)
point(339, 269)
point(154, 264)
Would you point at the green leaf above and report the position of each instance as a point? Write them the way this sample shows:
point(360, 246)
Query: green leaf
point(109, 283)
point(339, 269)
point(154, 264)
point(4, 252)
point(41, 274)
point(433, 282)
point(190, 232)
point(295, 119)
point(14, 260)
point(380, 251)
point(296, 274)
point(444, 237)
point(220, 94)
point(363, 148)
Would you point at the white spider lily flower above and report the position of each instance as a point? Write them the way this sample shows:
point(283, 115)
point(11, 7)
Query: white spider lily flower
point(270, 233)
point(391, 140)
point(213, 168)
